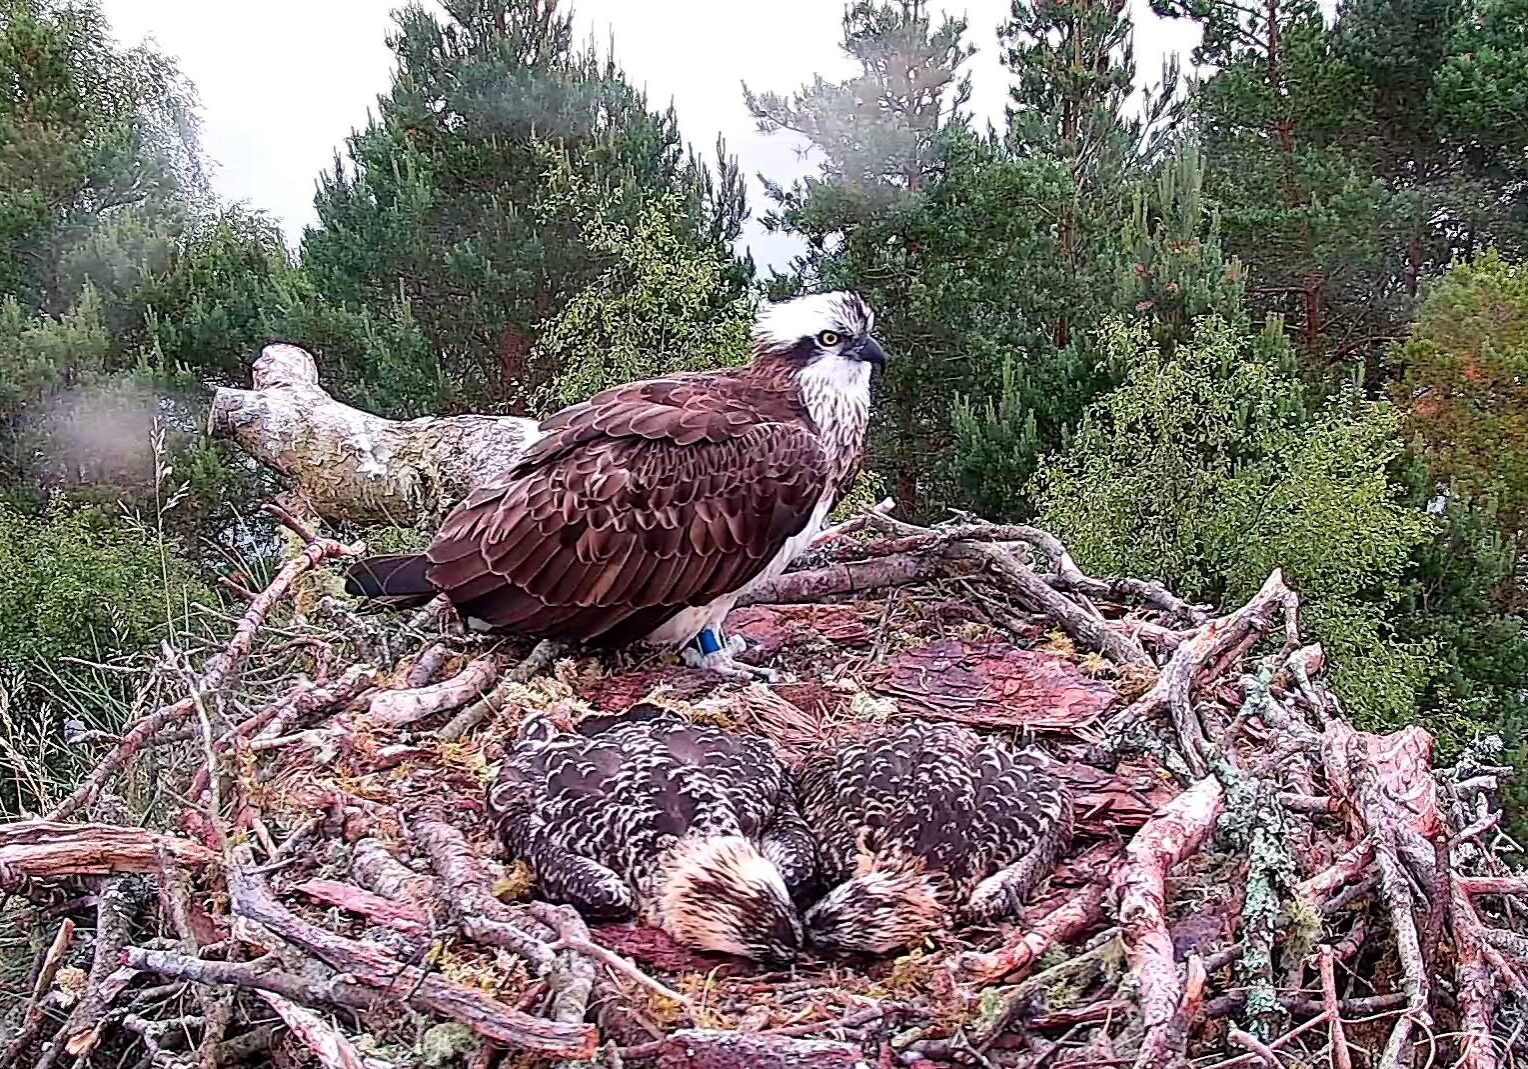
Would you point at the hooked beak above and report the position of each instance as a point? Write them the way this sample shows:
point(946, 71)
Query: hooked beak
point(870, 352)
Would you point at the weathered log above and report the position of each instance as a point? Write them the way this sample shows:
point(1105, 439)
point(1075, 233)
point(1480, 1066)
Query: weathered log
point(399, 707)
point(262, 974)
point(1169, 837)
point(1173, 690)
point(45, 849)
point(350, 465)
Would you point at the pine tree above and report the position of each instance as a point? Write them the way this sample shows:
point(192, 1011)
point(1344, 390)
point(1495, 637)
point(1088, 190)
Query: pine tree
point(1464, 387)
point(436, 200)
point(1345, 171)
point(1175, 270)
point(1073, 64)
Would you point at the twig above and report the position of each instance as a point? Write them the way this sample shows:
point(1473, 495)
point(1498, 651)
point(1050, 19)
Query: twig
point(36, 1012)
point(569, 939)
point(1341, 1059)
point(217, 674)
point(377, 968)
point(537, 661)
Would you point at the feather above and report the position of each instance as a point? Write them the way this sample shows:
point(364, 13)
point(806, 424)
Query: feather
point(962, 818)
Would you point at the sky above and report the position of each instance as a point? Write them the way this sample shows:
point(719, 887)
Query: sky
point(281, 83)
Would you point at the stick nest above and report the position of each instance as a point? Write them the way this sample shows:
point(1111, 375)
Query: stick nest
point(1253, 880)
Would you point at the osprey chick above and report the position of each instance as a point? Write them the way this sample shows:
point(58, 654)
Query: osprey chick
point(646, 511)
point(922, 824)
point(686, 827)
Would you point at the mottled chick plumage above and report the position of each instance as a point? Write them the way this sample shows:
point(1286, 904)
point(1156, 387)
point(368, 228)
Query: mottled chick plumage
point(923, 824)
point(684, 826)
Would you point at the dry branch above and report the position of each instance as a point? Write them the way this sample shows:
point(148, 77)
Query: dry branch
point(1141, 886)
point(219, 671)
point(349, 465)
point(46, 849)
point(376, 968)
point(400, 707)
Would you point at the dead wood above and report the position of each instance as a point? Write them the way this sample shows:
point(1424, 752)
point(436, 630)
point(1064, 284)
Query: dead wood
point(349, 465)
point(251, 898)
point(707, 1049)
point(46, 849)
point(349, 859)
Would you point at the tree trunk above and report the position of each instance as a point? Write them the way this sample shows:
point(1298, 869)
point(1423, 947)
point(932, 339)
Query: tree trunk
point(349, 465)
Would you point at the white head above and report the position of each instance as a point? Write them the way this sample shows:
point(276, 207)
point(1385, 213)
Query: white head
point(827, 340)
point(802, 321)
point(723, 895)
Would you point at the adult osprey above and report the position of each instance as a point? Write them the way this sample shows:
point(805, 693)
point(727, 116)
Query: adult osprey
point(647, 510)
point(690, 828)
point(923, 824)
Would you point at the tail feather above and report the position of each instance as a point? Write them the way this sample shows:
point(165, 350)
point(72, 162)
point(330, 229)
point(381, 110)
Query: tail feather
point(400, 578)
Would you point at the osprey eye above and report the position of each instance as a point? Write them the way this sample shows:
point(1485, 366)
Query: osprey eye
point(829, 338)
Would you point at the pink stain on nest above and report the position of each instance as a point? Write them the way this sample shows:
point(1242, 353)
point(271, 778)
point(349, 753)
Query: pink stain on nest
point(992, 684)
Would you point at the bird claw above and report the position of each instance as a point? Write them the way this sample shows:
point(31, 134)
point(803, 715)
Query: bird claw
point(724, 664)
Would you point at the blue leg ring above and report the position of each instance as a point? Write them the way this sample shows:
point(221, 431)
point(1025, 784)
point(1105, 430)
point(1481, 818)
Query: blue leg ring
point(707, 642)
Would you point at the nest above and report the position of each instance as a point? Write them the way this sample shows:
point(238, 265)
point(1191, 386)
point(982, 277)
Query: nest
point(1253, 880)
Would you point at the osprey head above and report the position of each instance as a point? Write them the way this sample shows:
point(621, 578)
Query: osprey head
point(819, 327)
point(878, 912)
point(721, 894)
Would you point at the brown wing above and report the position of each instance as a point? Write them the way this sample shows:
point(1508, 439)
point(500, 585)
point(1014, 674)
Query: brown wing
point(640, 502)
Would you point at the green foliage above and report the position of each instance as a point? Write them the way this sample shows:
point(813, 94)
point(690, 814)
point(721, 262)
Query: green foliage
point(661, 304)
point(39, 355)
point(438, 201)
point(1464, 385)
point(1349, 159)
point(1175, 271)
point(1481, 92)
point(86, 130)
point(81, 583)
point(1073, 63)
point(1463, 599)
point(1204, 467)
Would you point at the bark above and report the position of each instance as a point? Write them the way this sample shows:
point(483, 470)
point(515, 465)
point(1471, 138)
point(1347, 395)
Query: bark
point(422, 990)
point(399, 707)
point(1068, 920)
point(1141, 887)
point(350, 465)
point(1173, 690)
point(43, 849)
point(706, 1049)
point(262, 974)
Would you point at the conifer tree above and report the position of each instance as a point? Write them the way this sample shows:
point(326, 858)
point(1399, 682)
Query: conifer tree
point(437, 199)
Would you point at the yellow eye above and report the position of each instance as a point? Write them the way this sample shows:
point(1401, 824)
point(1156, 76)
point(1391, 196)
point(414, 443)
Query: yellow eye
point(829, 338)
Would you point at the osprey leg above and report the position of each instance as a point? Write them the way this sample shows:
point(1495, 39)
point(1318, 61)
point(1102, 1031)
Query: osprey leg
point(708, 652)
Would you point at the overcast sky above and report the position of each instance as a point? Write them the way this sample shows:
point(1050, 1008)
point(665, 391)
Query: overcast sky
point(283, 81)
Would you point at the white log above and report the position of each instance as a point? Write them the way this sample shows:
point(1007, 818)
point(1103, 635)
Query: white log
point(350, 465)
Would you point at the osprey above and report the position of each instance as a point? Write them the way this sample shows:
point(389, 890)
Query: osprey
point(923, 824)
point(687, 827)
point(645, 512)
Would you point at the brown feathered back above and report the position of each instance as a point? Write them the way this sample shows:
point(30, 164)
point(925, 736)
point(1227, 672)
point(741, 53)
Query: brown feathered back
point(646, 499)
